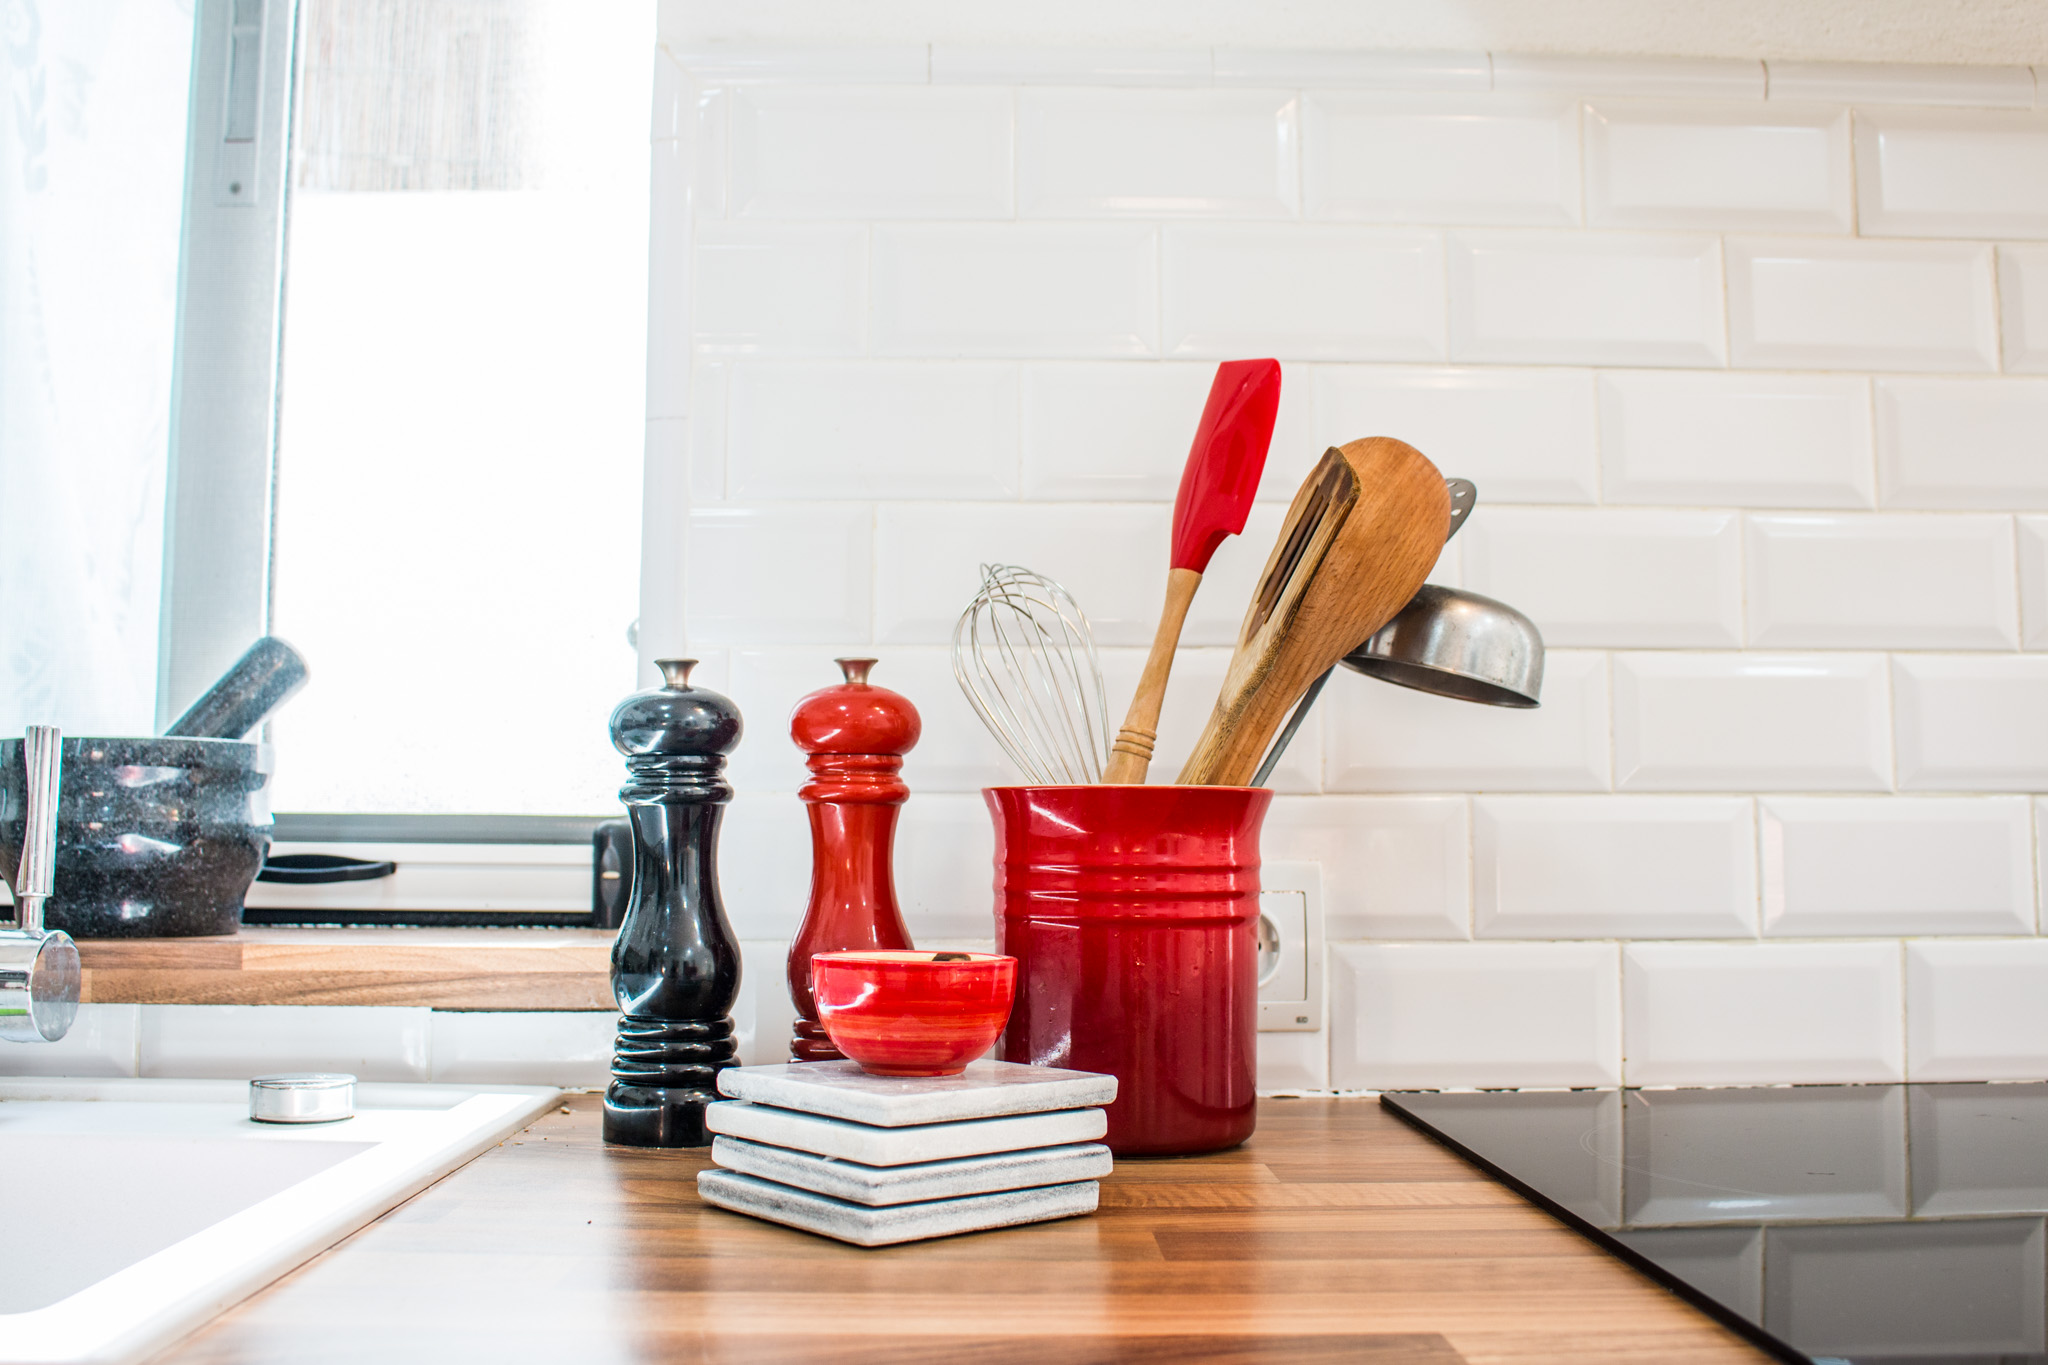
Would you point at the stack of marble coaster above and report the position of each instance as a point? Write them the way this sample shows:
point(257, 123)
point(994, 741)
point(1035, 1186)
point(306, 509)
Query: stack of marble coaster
point(872, 1160)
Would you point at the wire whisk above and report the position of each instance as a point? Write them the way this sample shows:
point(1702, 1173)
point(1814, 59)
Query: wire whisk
point(1025, 657)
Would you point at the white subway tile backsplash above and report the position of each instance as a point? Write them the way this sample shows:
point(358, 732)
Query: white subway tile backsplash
point(2033, 543)
point(1754, 440)
point(1440, 159)
point(704, 431)
point(879, 152)
point(1962, 442)
point(1303, 292)
point(1191, 698)
point(569, 1048)
point(1455, 1015)
point(669, 286)
point(1764, 167)
point(1806, 303)
point(764, 866)
point(1971, 723)
point(1381, 738)
point(779, 290)
point(790, 574)
point(873, 430)
point(833, 63)
point(1761, 1013)
point(1337, 67)
point(1896, 865)
point(103, 1041)
point(1727, 78)
point(1612, 577)
point(1751, 722)
point(1881, 582)
point(2023, 307)
point(1394, 867)
point(1557, 298)
point(1110, 556)
point(235, 1042)
point(1026, 64)
point(2006, 87)
point(1977, 1011)
point(1020, 290)
point(1520, 435)
point(1613, 867)
point(1951, 173)
point(945, 855)
point(1150, 153)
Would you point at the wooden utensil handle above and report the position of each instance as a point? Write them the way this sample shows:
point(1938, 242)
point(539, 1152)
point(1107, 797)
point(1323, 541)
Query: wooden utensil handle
point(1131, 755)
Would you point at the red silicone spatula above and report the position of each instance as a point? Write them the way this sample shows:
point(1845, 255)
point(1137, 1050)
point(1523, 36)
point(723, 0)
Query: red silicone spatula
point(1216, 491)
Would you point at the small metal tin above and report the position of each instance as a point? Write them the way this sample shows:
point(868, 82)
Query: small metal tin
point(304, 1097)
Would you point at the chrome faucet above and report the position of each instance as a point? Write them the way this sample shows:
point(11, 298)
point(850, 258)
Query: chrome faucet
point(38, 967)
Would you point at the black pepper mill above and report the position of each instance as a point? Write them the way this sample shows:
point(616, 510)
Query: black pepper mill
point(675, 967)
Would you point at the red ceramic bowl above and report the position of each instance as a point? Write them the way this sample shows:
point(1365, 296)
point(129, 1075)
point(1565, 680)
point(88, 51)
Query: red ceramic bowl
point(912, 1013)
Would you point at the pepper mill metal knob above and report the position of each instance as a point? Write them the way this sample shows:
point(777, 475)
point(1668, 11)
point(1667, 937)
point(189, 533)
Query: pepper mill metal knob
point(675, 965)
point(855, 735)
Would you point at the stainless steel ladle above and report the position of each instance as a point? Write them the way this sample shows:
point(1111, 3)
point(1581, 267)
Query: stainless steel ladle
point(1446, 641)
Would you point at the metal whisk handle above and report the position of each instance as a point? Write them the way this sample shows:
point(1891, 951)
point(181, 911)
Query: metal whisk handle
point(41, 749)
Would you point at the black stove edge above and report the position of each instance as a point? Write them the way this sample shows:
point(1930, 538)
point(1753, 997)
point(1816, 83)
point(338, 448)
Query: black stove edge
point(1742, 1326)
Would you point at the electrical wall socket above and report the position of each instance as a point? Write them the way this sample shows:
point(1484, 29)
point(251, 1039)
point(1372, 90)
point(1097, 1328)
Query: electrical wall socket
point(1291, 947)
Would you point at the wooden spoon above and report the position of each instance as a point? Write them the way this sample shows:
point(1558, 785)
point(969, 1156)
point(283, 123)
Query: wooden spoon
point(1216, 490)
point(1361, 535)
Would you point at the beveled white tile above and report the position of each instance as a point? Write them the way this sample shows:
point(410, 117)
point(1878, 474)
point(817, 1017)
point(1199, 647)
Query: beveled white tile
point(1611, 577)
point(1951, 173)
point(1802, 303)
point(1896, 865)
point(1291, 1063)
point(853, 63)
point(1609, 298)
point(671, 107)
point(1440, 159)
point(1520, 435)
point(1977, 1011)
point(1863, 581)
point(1338, 67)
point(1762, 166)
point(779, 290)
point(2033, 543)
point(873, 430)
point(1066, 290)
point(703, 433)
point(1303, 292)
point(235, 1042)
point(707, 141)
point(1761, 1013)
point(1665, 77)
point(1191, 698)
point(1090, 64)
point(1110, 556)
point(1751, 722)
point(764, 870)
point(1971, 722)
point(103, 1041)
point(2008, 87)
point(1456, 1015)
point(1756, 440)
point(1382, 738)
point(1394, 867)
point(1112, 432)
point(1962, 442)
point(763, 1013)
point(1084, 153)
point(2023, 307)
point(1613, 867)
point(570, 1048)
point(874, 152)
point(945, 856)
point(668, 281)
point(794, 573)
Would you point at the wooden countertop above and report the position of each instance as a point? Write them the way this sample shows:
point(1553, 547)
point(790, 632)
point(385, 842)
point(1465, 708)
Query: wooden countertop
point(469, 969)
point(1337, 1233)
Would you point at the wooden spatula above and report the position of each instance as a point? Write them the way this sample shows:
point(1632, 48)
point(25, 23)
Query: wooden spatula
point(1216, 491)
point(1359, 539)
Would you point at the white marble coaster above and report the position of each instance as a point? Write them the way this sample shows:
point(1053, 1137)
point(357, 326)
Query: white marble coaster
point(841, 1090)
point(870, 1227)
point(879, 1186)
point(873, 1146)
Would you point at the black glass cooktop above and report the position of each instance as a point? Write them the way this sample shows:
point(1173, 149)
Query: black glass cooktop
point(1895, 1223)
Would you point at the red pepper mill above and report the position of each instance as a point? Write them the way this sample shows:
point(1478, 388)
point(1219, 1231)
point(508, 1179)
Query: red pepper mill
point(856, 735)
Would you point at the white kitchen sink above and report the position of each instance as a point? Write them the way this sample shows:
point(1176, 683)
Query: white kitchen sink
point(135, 1210)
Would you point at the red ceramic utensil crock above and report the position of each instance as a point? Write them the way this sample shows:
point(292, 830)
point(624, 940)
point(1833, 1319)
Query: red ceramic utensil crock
point(1132, 913)
point(911, 1013)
